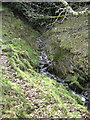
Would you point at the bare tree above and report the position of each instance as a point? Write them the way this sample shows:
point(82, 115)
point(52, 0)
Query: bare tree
point(72, 12)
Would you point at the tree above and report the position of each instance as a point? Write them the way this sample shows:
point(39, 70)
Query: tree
point(72, 12)
point(44, 13)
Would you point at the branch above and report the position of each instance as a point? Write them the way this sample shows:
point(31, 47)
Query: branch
point(72, 12)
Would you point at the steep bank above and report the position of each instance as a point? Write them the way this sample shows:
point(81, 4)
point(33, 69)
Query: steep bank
point(67, 48)
point(25, 92)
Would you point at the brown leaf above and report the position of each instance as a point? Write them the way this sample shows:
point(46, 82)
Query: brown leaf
point(11, 114)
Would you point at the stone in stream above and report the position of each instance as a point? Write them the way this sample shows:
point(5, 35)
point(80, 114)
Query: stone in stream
point(86, 93)
point(41, 62)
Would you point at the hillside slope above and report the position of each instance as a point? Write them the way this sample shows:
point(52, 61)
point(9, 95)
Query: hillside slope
point(67, 47)
point(25, 92)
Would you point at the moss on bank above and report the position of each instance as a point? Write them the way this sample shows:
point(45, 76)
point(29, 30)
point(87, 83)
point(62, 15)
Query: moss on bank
point(67, 47)
point(26, 93)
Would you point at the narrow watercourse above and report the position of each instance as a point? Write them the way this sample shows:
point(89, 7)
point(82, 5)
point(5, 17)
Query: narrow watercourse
point(40, 79)
point(44, 66)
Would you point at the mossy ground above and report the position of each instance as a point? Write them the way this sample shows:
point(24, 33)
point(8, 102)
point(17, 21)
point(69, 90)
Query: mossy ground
point(25, 92)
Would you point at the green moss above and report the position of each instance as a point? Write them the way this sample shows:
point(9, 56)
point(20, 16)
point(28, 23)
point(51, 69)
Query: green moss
point(12, 96)
point(32, 94)
point(74, 80)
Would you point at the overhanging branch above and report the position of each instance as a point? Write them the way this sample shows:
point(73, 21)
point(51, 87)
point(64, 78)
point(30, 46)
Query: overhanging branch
point(74, 13)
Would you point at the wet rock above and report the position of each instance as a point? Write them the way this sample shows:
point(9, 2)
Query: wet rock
point(86, 93)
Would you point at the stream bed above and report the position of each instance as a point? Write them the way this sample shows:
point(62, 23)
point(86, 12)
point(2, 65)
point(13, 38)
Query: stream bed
point(45, 64)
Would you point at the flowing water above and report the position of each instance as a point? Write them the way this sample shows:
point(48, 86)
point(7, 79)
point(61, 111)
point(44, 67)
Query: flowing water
point(44, 65)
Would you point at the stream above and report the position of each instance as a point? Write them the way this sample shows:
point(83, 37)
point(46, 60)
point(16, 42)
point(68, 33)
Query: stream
point(44, 65)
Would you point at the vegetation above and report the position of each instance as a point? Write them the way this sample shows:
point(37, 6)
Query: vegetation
point(25, 92)
point(41, 14)
point(67, 48)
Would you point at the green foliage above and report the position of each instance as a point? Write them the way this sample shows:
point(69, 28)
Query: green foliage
point(18, 6)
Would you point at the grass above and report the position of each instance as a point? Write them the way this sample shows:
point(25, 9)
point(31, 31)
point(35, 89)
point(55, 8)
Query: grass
point(25, 92)
point(13, 99)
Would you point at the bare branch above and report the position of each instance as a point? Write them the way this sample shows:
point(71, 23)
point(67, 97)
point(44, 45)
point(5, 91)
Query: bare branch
point(72, 12)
